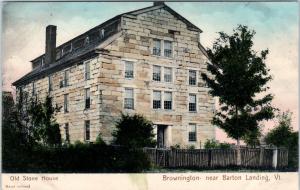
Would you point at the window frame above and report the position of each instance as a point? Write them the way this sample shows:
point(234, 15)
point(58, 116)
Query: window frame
point(164, 69)
point(67, 132)
point(164, 100)
point(171, 48)
point(160, 73)
point(66, 103)
point(160, 101)
point(189, 77)
point(87, 98)
point(125, 63)
point(125, 99)
point(154, 49)
point(192, 134)
point(87, 72)
point(162, 52)
point(87, 133)
point(189, 106)
point(66, 77)
point(50, 83)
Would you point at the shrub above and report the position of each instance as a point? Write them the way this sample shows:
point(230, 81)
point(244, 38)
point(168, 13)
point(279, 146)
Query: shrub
point(209, 144)
point(134, 132)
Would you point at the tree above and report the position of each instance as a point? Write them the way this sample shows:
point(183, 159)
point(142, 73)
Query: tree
point(134, 132)
point(284, 136)
point(252, 138)
point(236, 74)
point(280, 135)
point(16, 144)
point(44, 127)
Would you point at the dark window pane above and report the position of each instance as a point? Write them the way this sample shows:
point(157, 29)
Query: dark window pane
point(67, 132)
point(192, 77)
point(87, 71)
point(87, 130)
point(192, 107)
point(128, 69)
point(66, 103)
point(129, 103)
point(168, 105)
point(192, 136)
point(156, 73)
point(168, 49)
point(156, 47)
point(87, 103)
point(156, 104)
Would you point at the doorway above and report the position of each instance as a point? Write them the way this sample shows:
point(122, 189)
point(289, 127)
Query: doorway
point(161, 136)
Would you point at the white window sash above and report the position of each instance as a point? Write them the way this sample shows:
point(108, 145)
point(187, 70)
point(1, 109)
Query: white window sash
point(167, 96)
point(157, 95)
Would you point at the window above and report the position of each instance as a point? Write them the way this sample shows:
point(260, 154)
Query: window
point(129, 100)
point(66, 78)
point(87, 130)
point(78, 44)
point(192, 77)
point(87, 40)
point(50, 83)
point(66, 103)
point(87, 70)
point(156, 47)
point(168, 100)
point(87, 98)
point(128, 69)
point(156, 73)
point(192, 133)
point(167, 48)
point(168, 74)
point(156, 99)
point(192, 103)
point(33, 89)
point(67, 49)
point(67, 132)
point(102, 32)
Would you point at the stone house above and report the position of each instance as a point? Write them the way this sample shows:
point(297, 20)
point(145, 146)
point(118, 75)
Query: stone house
point(146, 61)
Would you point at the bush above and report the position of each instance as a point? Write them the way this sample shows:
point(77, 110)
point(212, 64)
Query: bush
point(134, 132)
point(284, 136)
point(209, 144)
point(99, 140)
point(191, 147)
point(80, 157)
point(176, 146)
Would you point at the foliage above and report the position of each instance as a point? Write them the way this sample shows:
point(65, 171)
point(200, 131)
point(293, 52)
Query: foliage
point(236, 75)
point(31, 138)
point(81, 157)
point(134, 132)
point(191, 147)
point(176, 146)
point(15, 142)
point(280, 135)
point(43, 124)
point(284, 136)
point(99, 140)
point(209, 144)
point(253, 137)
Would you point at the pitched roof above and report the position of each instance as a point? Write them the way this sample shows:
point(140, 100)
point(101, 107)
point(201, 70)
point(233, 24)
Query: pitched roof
point(91, 48)
point(170, 10)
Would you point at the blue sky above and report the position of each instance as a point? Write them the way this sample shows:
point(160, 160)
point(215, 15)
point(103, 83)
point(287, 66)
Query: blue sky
point(276, 25)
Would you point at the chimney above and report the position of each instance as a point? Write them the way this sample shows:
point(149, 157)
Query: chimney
point(50, 52)
point(157, 3)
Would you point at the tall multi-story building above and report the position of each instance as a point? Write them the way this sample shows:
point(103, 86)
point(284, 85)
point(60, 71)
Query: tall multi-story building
point(146, 61)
